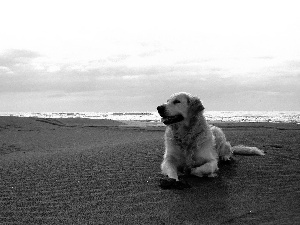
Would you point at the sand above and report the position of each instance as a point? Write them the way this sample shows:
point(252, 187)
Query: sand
point(80, 171)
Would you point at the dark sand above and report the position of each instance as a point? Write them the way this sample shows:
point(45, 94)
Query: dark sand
point(76, 171)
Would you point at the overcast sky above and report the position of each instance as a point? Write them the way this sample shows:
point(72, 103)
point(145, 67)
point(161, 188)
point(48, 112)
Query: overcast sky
point(132, 55)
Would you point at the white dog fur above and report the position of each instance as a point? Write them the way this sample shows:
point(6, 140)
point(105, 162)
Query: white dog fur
point(191, 143)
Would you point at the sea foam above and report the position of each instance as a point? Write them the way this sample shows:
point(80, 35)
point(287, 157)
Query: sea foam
point(219, 116)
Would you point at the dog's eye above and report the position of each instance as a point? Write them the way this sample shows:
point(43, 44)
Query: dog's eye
point(176, 102)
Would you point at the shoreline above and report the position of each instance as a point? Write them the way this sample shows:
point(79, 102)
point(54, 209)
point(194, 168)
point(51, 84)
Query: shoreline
point(145, 125)
point(213, 116)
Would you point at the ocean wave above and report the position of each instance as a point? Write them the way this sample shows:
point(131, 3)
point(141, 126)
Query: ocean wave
point(218, 116)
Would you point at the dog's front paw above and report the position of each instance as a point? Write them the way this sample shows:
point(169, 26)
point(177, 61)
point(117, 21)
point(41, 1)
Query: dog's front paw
point(170, 183)
point(196, 173)
point(199, 173)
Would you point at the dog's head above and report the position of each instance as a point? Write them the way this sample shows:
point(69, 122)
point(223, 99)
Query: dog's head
point(180, 107)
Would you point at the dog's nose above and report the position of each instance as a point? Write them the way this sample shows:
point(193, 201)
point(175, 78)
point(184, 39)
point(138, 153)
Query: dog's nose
point(161, 109)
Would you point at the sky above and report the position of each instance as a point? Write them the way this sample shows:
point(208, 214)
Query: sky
point(107, 56)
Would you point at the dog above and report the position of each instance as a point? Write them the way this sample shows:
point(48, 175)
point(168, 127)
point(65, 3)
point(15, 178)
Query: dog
point(191, 144)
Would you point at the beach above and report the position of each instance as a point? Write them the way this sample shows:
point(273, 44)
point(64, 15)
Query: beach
point(83, 171)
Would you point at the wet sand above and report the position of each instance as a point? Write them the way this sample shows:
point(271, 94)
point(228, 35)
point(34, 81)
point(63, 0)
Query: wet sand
point(80, 171)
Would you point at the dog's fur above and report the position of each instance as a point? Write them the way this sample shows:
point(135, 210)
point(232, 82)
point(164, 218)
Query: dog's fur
point(191, 144)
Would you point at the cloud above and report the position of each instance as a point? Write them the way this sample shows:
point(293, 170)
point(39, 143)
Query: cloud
point(5, 70)
point(118, 58)
point(53, 68)
point(134, 77)
point(225, 75)
point(150, 53)
point(220, 82)
point(15, 57)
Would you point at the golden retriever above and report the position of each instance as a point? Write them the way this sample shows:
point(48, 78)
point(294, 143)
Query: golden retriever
point(191, 144)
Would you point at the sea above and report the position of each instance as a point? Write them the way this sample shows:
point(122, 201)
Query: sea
point(216, 116)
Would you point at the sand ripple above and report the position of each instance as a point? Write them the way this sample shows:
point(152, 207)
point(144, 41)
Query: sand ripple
point(53, 174)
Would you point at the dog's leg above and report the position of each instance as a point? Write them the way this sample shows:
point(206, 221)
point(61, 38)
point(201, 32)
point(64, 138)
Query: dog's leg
point(210, 168)
point(169, 167)
point(225, 153)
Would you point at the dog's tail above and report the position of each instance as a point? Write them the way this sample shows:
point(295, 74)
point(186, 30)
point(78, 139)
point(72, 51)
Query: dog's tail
point(245, 150)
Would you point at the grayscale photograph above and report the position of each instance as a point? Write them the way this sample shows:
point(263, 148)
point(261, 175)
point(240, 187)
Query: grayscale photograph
point(149, 112)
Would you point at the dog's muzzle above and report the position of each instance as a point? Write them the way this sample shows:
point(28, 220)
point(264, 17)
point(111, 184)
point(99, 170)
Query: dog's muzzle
point(166, 119)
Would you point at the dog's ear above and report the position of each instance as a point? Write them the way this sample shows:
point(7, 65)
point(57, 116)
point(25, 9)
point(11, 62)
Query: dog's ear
point(195, 106)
